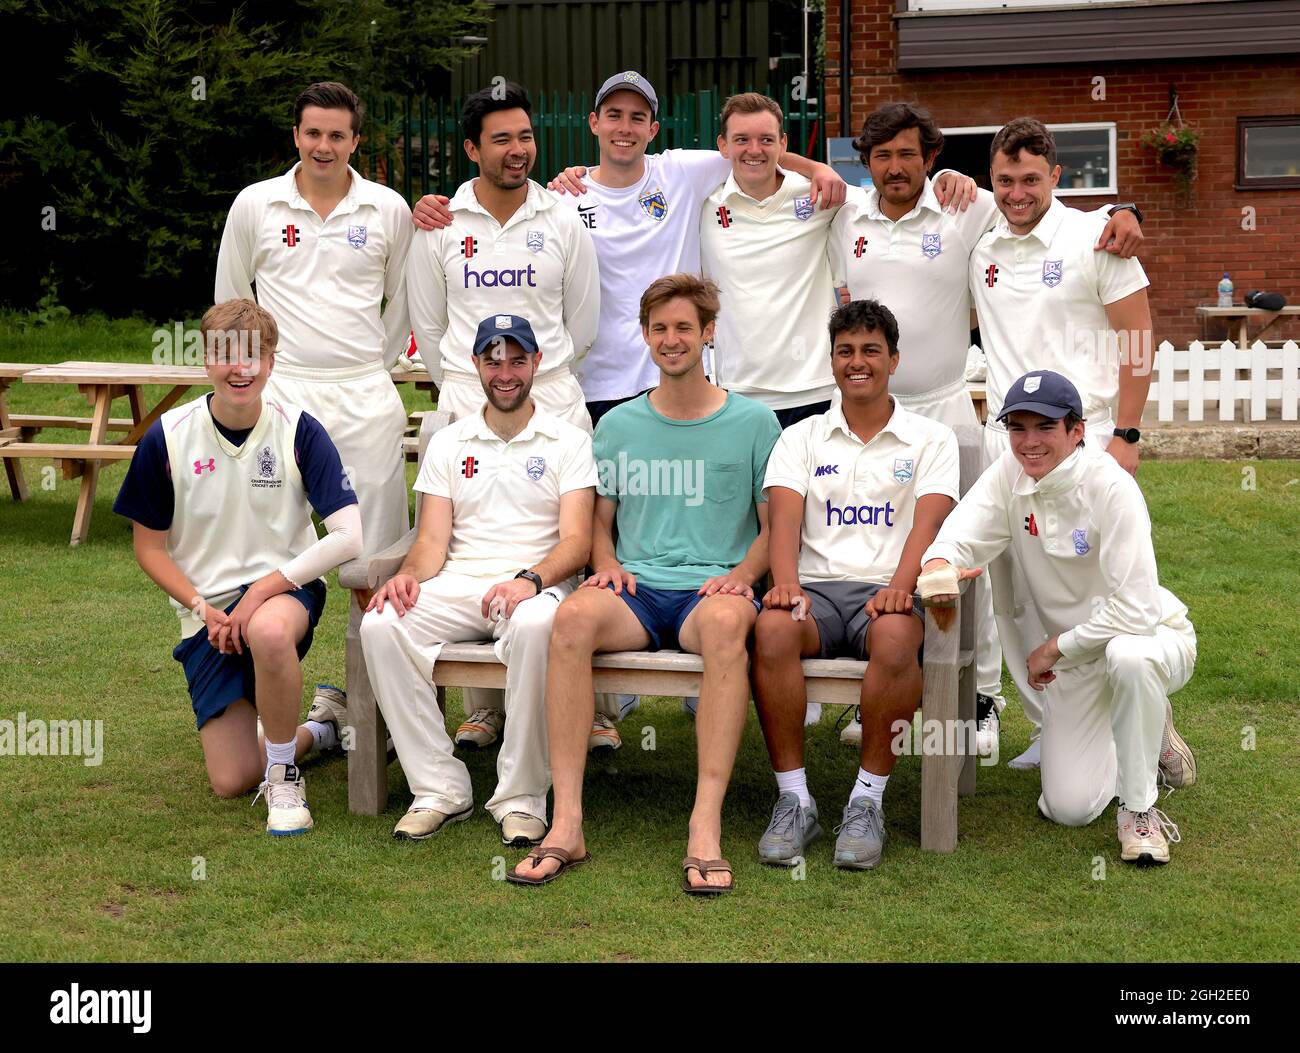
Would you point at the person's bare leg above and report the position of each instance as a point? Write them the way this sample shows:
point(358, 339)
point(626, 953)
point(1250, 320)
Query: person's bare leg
point(780, 694)
point(718, 629)
point(273, 635)
point(230, 751)
point(891, 688)
point(590, 620)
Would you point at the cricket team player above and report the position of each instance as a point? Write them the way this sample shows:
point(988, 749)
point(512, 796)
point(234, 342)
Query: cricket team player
point(221, 491)
point(505, 525)
point(1046, 299)
point(326, 251)
point(855, 495)
point(897, 243)
point(681, 473)
point(1116, 643)
point(510, 249)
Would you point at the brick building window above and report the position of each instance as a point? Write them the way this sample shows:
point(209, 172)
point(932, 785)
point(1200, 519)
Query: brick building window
point(1268, 153)
point(1085, 152)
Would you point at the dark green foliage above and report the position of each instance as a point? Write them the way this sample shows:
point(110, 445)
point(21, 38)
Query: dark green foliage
point(108, 126)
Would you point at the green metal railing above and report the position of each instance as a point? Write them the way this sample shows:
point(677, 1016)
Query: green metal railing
point(416, 147)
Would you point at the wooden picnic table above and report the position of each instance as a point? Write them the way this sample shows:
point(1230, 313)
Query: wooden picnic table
point(1243, 316)
point(102, 383)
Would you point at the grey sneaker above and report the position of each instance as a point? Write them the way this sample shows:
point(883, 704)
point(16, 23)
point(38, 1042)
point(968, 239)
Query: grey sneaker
point(862, 835)
point(1177, 763)
point(792, 829)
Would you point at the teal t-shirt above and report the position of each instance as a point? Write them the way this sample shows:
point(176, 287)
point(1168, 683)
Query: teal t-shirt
point(686, 489)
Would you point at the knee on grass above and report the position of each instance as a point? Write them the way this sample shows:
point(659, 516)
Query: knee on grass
point(230, 784)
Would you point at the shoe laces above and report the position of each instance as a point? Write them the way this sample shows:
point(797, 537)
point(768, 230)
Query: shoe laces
point(859, 819)
point(282, 794)
point(602, 720)
point(481, 716)
point(783, 816)
point(1153, 819)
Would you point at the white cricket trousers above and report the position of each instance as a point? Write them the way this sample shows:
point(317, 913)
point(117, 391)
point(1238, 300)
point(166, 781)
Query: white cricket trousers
point(952, 405)
point(1102, 723)
point(556, 393)
point(363, 414)
point(1004, 601)
point(400, 655)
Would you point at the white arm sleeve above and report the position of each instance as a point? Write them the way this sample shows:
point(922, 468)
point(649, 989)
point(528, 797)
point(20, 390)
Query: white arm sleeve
point(340, 544)
point(235, 264)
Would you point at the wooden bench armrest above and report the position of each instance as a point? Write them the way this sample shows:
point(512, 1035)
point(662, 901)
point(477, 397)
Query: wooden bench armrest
point(369, 572)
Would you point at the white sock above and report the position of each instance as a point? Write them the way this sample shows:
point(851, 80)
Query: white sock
point(813, 714)
point(870, 786)
point(324, 735)
point(279, 753)
point(795, 782)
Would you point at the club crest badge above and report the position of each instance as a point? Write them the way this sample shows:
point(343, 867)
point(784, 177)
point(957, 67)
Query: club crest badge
point(1081, 546)
point(536, 239)
point(266, 463)
point(630, 77)
point(1052, 272)
point(903, 469)
point(357, 237)
point(1031, 384)
point(504, 321)
point(803, 207)
point(931, 245)
point(535, 468)
point(654, 205)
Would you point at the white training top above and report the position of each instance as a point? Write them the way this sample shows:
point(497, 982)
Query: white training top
point(642, 232)
point(323, 280)
point(505, 496)
point(860, 498)
point(770, 262)
point(540, 265)
point(1082, 537)
point(918, 267)
point(238, 512)
point(1041, 299)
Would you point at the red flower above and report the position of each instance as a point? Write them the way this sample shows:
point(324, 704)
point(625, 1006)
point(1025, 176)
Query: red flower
point(1170, 137)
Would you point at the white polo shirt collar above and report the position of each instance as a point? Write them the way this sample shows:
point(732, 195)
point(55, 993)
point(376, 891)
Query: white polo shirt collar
point(731, 189)
point(539, 424)
point(927, 202)
point(1066, 476)
point(538, 200)
point(360, 192)
point(1044, 230)
point(899, 424)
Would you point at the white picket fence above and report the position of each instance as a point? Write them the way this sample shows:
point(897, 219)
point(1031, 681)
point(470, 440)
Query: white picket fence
point(1226, 375)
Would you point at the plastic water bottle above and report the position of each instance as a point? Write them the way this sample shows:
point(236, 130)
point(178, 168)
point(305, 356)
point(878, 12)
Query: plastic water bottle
point(1225, 290)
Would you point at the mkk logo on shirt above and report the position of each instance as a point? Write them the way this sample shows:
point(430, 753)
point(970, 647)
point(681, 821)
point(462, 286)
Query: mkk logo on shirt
point(827, 469)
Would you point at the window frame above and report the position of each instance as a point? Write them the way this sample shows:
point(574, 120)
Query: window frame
point(1245, 182)
point(1112, 190)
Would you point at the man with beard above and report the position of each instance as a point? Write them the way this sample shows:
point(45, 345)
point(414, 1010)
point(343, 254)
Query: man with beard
point(505, 524)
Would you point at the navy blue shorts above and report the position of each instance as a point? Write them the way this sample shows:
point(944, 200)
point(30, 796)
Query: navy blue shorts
point(662, 612)
point(216, 680)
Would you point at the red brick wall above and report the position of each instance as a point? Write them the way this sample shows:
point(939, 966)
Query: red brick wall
point(1188, 247)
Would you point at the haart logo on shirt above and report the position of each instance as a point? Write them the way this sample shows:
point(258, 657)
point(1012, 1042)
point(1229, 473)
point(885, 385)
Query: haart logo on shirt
point(827, 469)
point(503, 278)
point(200, 467)
point(860, 515)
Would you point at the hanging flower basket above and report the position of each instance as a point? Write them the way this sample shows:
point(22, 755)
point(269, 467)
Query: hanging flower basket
point(1175, 147)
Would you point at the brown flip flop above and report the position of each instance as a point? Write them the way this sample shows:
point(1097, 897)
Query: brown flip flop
point(567, 862)
point(705, 867)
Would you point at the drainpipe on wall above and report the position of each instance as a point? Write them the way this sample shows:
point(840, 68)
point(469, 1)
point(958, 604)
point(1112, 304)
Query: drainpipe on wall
point(845, 89)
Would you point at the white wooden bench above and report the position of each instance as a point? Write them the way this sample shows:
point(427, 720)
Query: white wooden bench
point(948, 694)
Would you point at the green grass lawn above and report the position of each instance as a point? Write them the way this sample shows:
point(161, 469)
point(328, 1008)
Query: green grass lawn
point(100, 862)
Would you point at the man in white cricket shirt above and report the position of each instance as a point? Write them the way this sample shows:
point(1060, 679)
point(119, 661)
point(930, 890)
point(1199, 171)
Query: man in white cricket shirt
point(510, 249)
point(1047, 300)
point(855, 496)
point(1115, 643)
point(895, 242)
point(325, 249)
point(505, 525)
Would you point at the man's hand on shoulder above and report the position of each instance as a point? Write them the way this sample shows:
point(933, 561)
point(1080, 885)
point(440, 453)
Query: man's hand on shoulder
point(570, 181)
point(431, 212)
point(956, 192)
point(1122, 235)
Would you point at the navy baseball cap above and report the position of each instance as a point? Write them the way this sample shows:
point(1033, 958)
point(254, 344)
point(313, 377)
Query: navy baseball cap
point(629, 80)
point(510, 326)
point(1043, 392)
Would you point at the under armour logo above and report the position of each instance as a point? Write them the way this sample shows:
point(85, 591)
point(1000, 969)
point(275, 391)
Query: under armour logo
point(469, 467)
point(200, 467)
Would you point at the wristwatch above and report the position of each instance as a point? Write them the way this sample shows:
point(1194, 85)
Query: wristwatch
point(1129, 435)
point(1128, 207)
point(536, 579)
